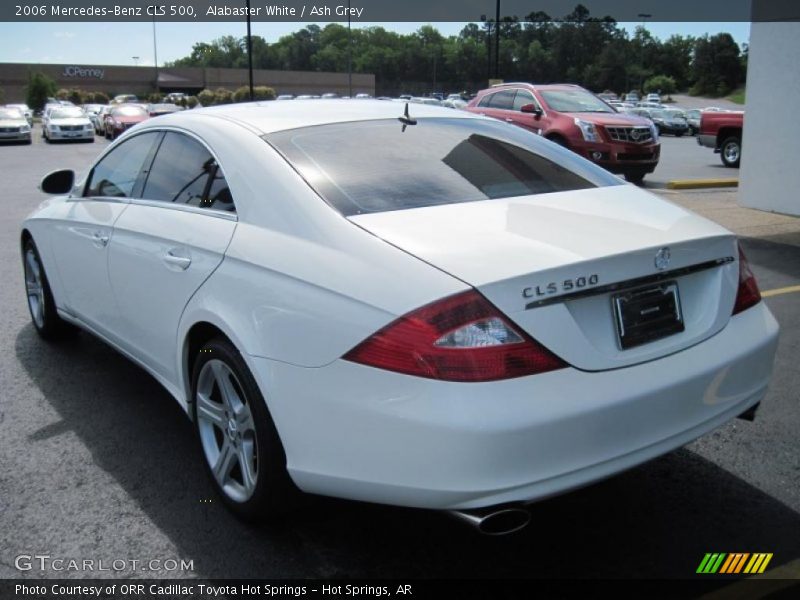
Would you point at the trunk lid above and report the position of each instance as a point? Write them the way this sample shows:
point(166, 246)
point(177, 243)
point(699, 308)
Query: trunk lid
point(553, 263)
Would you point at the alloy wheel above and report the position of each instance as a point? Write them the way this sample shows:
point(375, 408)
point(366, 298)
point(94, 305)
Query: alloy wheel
point(34, 287)
point(227, 430)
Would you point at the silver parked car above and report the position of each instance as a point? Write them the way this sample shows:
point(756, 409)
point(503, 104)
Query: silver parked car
point(14, 127)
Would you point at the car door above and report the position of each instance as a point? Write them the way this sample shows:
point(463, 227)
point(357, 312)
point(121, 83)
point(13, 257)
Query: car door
point(530, 121)
point(81, 239)
point(500, 104)
point(167, 243)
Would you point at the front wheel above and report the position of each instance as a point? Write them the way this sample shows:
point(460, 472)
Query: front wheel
point(635, 177)
point(731, 152)
point(241, 448)
point(41, 303)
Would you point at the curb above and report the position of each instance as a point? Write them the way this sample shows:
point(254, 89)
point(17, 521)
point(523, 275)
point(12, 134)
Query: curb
point(691, 184)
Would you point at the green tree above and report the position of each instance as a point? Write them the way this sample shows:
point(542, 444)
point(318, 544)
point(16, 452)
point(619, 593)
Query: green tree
point(40, 87)
point(663, 84)
point(717, 66)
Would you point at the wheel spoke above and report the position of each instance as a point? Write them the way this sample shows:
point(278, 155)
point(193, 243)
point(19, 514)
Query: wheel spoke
point(225, 461)
point(33, 265)
point(223, 378)
point(245, 455)
point(210, 411)
point(244, 418)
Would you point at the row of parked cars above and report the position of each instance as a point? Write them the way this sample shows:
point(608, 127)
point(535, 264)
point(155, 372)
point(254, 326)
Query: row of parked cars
point(62, 120)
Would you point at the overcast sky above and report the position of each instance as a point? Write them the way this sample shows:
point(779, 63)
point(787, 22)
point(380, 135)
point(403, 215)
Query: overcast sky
point(118, 43)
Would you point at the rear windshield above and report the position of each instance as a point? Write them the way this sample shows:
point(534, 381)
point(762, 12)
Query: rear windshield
point(375, 166)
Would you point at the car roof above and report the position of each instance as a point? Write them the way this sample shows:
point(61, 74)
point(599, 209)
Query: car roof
point(270, 116)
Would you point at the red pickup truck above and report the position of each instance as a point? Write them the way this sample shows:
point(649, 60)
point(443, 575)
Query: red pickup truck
point(722, 131)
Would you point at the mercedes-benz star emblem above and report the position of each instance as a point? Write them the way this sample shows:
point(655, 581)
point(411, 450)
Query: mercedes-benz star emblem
point(662, 258)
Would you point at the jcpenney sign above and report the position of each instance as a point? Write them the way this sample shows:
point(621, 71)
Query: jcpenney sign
point(81, 72)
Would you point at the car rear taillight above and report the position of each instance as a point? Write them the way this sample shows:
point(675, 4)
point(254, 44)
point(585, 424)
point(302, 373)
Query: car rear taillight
point(747, 295)
point(460, 338)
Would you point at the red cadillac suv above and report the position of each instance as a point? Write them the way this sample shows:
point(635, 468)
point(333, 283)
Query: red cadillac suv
point(574, 117)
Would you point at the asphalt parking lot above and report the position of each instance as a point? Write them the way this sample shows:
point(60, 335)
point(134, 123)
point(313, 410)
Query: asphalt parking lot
point(97, 461)
point(683, 158)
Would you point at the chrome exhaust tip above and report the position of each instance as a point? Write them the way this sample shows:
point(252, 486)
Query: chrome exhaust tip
point(495, 520)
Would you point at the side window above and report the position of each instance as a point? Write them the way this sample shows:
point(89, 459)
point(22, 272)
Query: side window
point(180, 171)
point(503, 100)
point(522, 98)
point(484, 103)
point(184, 172)
point(116, 174)
point(219, 196)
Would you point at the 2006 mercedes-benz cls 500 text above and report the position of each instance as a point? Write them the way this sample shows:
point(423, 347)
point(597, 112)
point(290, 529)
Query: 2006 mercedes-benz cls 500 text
point(399, 304)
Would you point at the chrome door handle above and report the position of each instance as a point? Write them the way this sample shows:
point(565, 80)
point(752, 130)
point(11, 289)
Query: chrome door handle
point(509, 120)
point(100, 239)
point(173, 259)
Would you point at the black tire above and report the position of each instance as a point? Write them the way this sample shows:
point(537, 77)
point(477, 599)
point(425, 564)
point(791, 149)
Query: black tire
point(730, 151)
point(560, 141)
point(274, 490)
point(635, 177)
point(49, 326)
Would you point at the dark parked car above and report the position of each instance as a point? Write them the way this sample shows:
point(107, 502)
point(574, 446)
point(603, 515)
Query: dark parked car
point(667, 120)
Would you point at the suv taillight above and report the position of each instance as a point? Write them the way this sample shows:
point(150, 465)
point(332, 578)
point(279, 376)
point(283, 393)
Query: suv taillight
point(747, 294)
point(459, 338)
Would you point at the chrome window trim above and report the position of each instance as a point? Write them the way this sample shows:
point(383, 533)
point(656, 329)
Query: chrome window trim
point(210, 212)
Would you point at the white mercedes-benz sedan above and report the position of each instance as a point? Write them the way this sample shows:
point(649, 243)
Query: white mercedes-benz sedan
point(399, 304)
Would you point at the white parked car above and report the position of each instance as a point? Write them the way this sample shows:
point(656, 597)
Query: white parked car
point(14, 127)
point(67, 123)
point(25, 110)
point(418, 307)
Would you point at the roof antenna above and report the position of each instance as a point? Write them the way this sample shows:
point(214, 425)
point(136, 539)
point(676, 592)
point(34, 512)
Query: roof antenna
point(406, 120)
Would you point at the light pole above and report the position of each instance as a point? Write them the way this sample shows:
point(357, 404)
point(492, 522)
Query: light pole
point(488, 47)
point(643, 17)
point(249, 53)
point(135, 61)
point(497, 41)
point(349, 54)
point(155, 51)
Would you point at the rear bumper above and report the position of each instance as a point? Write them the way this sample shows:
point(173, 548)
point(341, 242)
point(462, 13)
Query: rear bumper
point(709, 141)
point(362, 433)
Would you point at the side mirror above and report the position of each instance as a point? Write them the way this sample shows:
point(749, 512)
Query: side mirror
point(58, 182)
point(531, 109)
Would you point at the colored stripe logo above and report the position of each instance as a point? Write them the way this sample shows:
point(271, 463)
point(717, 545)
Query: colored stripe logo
point(734, 563)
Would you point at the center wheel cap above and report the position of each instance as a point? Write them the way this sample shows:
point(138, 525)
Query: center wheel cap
point(233, 430)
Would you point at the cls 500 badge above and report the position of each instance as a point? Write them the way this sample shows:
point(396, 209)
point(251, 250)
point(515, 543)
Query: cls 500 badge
point(554, 287)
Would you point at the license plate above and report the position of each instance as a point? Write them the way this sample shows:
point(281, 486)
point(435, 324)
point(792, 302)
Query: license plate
point(647, 314)
point(72, 134)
